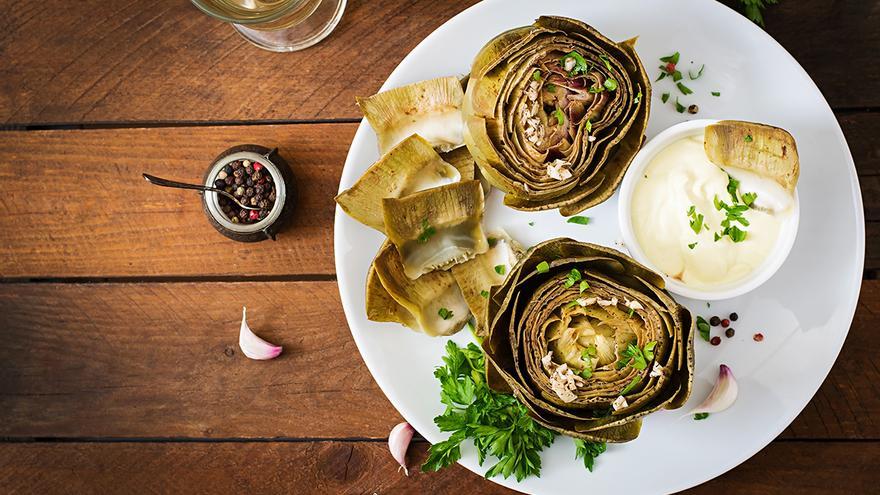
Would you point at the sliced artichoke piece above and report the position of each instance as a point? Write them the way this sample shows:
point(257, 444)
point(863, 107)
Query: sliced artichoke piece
point(768, 151)
point(436, 228)
point(477, 276)
point(409, 167)
point(429, 108)
point(587, 339)
point(432, 304)
point(554, 113)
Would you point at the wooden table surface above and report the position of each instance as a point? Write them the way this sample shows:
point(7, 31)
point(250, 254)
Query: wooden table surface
point(119, 305)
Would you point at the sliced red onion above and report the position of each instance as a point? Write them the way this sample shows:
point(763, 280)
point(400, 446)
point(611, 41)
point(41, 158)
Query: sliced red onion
point(722, 396)
point(253, 346)
point(398, 442)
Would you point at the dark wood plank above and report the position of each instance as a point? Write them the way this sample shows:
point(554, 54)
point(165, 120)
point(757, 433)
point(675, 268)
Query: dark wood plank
point(161, 360)
point(367, 467)
point(75, 204)
point(96, 61)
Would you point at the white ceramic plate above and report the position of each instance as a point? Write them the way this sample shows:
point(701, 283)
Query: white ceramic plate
point(804, 311)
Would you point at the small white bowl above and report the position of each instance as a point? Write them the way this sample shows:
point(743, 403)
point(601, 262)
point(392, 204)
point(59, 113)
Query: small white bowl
point(774, 260)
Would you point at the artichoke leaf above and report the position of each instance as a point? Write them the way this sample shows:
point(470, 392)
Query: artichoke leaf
point(430, 108)
point(409, 167)
point(436, 228)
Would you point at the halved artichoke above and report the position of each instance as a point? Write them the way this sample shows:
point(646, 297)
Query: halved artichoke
point(763, 149)
point(432, 304)
point(429, 108)
point(476, 276)
point(554, 113)
point(409, 167)
point(588, 340)
point(436, 228)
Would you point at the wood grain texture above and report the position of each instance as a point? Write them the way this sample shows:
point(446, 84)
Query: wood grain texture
point(75, 204)
point(366, 467)
point(161, 360)
point(99, 61)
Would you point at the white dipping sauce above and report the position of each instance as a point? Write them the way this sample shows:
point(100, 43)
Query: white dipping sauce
point(681, 176)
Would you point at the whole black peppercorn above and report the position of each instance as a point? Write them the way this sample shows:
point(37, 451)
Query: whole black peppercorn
point(238, 172)
point(263, 204)
point(733, 316)
point(242, 214)
point(258, 189)
point(249, 182)
point(693, 109)
point(219, 183)
point(228, 169)
point(229, 180)
point(730, 332)
point(249, 192)
point(714, 321)
point(239, 181)
point(272, 195)
point(257, 175)
point(715, 340)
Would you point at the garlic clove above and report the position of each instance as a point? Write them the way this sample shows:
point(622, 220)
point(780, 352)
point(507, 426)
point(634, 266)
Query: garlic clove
point(723, 394)
point(398, 443)
point(253, 346)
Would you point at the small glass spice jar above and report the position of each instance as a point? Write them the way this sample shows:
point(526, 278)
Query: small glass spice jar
point(269, 223)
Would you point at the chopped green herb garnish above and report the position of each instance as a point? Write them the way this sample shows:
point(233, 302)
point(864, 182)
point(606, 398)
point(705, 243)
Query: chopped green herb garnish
point(676, 76)
point(699, 73)
point(732, 186)
point(748, 138)
point(692, 245)
point(635, 357)
point(550, 87)
point(749, 198)
point(638, 98)
point(485, 294)
point(691, 210)
point(610, 84)
point(684, 89)
point(664, 97)
point(649, 350)
point(631, 385)
point(543, 267)
point(662, 74)
point(531, 224)
point(445, 313)
point(578, 219)
point(703, 327)
point(427, 232)
point(584, 286)
point(679, 107)
point(560, 116)
point(699, 416)
point(735, 234)
point(590, 351)
point(717, 237)
point(500, 269)
point(492, 241)
point(605, 60)
point(716, 93)
point(631, 312)
point(753, 9)
point(536, 75)
point(580, 63)
point(574, 276)
point(670, 58)
point(597, 89)
point(589, 126)
point(588, 451)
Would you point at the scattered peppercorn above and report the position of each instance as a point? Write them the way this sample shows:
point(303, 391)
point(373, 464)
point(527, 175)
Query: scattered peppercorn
point(715, 340)
point(733, 316)
point(251, 185)
point(714, 321)
point(730, 332)
point(725, 323)
point(693, 109)
point(758, 337)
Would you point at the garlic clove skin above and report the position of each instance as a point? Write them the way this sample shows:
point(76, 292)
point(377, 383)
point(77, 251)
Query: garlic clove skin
point(723, 394)
point(398, 443)
point(252, 346)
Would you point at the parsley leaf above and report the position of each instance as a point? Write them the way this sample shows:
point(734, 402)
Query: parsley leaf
point(500, 269)
point(536, 76)
point(684, 89)
point(560, 116)
point(748, 138)
point(605, 61)
point(610, 84)
point(484, 294)
point(492, 241)
point(636, 100)
point(588, 451)
point(703, 327)
point(671, 58)
point(679, 107)
point(699, 416)
point(716, 93)
point(692, 245)
point(580, 63)
point(631, 385)
point(664, 97)
point(749, 198)
point(574, 276)
point(754, 9)
point(427, 232)
point(580, 220)
point(699, 73)
point(584, 286)
point(445, 313)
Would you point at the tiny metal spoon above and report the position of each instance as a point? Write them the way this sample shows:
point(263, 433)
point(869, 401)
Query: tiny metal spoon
point(152, 179)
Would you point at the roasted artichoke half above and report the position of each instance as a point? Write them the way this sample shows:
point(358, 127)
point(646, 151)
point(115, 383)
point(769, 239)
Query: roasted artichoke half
point(554, 113)
point(587, 339)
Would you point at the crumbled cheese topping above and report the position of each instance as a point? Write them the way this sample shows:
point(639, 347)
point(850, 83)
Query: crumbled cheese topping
point(532, 91)
point(591, 138)
point(558, 169)
point(563, 381)
point(586, 301)
point(633, 305)
point(607, 302)
point(547, 360)
point(656, 371)
point(619, 403)
point(570, 62)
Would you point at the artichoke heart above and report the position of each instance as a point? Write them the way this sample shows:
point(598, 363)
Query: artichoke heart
point(432, 304)
point(429, 108)
point(409, 167)
point(436, 228)
point(554, 113)
point(587, 339)
point(477, 276)
point(765, 150)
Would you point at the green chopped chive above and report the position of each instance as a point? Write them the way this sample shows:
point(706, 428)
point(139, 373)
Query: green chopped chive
point(560, 116)
point(697, 223)
point(578, 219)
point(748, 138)
point(679, 107)
point(699, 416)
point(631, 312)
point(632, 384)
point(684, 89)
point(610, 84)
point(699, 73)
point(500, 269)
point(543, 267)
point(692, 245)
point(670, 58)
point(427, 232)
point(485, 294)
point(664, 97)
point(597, 89)
point(584, 286)
point(536, 75)
point(691, 210)
point(716, 93)
point(492, 241)
point(732, 186)
point(574, 276)
point(717, 237)
point(444, 313)
point(661, 76)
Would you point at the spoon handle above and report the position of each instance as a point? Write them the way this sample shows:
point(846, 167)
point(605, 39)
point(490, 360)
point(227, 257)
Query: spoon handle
point(152, 179)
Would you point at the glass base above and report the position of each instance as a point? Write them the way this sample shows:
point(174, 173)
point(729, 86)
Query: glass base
point(313, 29)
